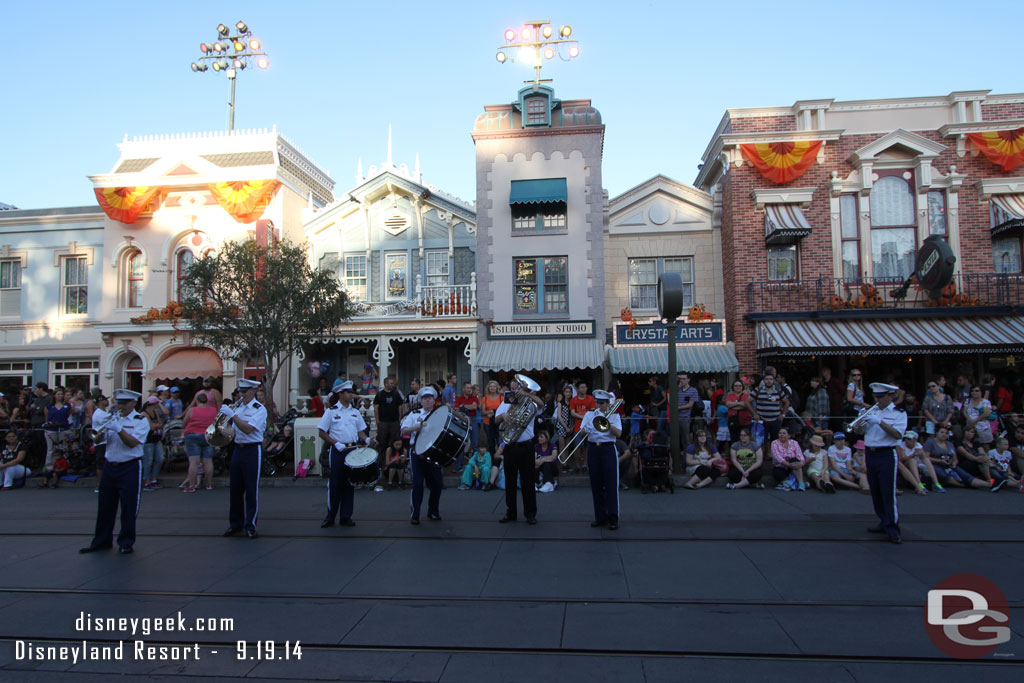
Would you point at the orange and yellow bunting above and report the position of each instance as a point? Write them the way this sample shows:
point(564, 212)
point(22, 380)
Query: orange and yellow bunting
point(1004, 148)
point(124, 203)
point(782, 162)
point(245, 200)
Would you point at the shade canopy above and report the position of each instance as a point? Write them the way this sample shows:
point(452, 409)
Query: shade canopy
point(653, 360)
point(547, 354)
point(541, 191)
point(186, 363)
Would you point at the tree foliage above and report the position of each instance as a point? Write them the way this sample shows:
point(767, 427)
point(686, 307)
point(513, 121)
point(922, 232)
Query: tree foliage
point(257, 302)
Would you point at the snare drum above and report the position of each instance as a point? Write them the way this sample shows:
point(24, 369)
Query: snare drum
point(442, 435)
point(362, 466)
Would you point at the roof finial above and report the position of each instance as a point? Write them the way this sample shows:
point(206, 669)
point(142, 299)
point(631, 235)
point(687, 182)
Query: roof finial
point(359, 172)
point(416, 172)
point(389, 146)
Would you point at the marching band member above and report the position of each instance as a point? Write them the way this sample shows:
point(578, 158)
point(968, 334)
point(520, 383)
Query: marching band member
point(885, 428)
point(603, 462)
point(519, 459)
point(122, 476)
point(342, 427)
point(421, 469)
point(250, 422)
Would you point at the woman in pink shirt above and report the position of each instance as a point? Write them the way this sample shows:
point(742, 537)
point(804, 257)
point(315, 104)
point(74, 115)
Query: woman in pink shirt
point(198, 416)
point(788, 463)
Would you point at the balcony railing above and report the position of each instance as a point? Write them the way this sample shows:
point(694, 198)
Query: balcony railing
point(446, 301)
point(967, 292)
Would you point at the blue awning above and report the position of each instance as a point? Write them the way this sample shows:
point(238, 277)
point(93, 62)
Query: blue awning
point(645, 360)
point(541, 191)
point(546, 354)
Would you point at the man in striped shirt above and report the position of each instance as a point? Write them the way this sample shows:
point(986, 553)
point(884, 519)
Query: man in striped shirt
point(769, 404)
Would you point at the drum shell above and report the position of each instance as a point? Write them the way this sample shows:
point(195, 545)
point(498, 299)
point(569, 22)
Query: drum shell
point(361, 468)
point(453, 433)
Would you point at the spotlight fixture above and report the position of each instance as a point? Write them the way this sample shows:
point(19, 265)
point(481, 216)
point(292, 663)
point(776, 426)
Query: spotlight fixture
point(535, 42)
point(242, 27)
point(231, 54)
point(222, 29)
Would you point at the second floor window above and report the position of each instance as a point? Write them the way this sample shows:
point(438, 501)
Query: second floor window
point(937, 224)
point(541, 285)
point(10, 287)
point(437, 269)
point(354, 277)
point(850, 228)
point(183, 264)
point(74, 285)
point(893, 225)
point(643, 280)
point(782, 263)
point(549, 216)
point(134, 273)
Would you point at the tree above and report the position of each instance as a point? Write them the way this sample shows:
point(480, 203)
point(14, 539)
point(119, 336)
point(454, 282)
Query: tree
point(252, 301)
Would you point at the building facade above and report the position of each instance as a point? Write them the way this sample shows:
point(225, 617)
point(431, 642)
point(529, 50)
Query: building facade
point(826, 207)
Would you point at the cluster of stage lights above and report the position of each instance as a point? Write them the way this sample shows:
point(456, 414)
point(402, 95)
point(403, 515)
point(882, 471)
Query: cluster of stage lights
point(532, 38)
point(235, 50)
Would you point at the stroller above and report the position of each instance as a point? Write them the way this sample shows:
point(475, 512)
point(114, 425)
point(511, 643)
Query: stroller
point(174, 444)
point(654, 465)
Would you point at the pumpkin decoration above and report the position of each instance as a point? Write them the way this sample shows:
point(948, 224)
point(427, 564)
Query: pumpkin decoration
point(626, 315)
point(868, 290)
point(876, 301)
point(860, 302)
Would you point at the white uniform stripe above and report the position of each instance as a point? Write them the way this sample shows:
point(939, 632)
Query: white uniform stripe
point(138, 494)
point(259, 471)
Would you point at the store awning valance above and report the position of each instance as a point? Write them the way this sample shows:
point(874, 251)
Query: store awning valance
point(187, 363)
point(541, 191)
point(892, 337)
point(1007, 214)
point(784, 224)
point(540, 354)
point(646, 360)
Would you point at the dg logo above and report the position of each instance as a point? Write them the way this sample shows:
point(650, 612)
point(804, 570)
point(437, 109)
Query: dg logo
point(967, 616)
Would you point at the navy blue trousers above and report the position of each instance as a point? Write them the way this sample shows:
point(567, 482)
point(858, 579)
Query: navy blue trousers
point(340, 494)
point(881, 465)
point(245, 485)
point(520, 459)
point(121, 483)
point(603, 466)
point(423, 471)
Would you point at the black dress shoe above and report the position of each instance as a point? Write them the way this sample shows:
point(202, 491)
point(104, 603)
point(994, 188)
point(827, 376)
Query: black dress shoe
point(94, 548)
point(435, 518)
point(125, 550)
point(895, 539)
point(326, 523)
point(414, 521)
point(506, 519)
point(531, 520)
point(346, 522)
point(597, 524)
point(233, 530)
point(876, 530)
point(251, 533)
point(613, 525)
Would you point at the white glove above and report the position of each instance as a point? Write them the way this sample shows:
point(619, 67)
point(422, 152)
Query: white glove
point(115, 425)
point(226, 412)
point(874, 419)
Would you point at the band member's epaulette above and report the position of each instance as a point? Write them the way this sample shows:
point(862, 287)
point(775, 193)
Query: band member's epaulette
point(256, 404)
point(139, 417)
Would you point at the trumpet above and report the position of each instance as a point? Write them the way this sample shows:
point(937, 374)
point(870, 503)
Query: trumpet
point(220, 433)
point(98, 433)
point(600, 423)
point(859, 423)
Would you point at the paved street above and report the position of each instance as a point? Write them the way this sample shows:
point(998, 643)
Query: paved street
point(709, 585)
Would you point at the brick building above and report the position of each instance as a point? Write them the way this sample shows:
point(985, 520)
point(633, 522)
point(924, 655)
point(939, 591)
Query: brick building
point(824, 208)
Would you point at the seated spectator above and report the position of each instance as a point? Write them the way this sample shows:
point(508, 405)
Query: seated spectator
point(280, 441)
point(860, 464)
point(908, 452)
point(1016, 438)
point(546, 462)
point(396, 461)
point(654, 461)
point(946, 463)
point(841, 468)
point(477, 471)
point(817, 465)
point(12, 459)
point(1001, 458)
point(788, 463)
point(809, 427)
point(973, 456)
point(700, 461)
point(626, 458)
point(746, 458)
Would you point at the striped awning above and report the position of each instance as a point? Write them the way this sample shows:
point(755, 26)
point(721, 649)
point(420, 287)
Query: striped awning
point(646, 360)
point(540, 354)
point(1007, 214)
point(542, 191)
point(784, 224)
point(894, 337)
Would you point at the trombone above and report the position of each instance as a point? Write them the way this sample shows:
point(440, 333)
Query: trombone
point(600, 423)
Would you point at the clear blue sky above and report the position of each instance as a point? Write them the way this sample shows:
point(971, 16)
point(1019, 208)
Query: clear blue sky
point(78, 76)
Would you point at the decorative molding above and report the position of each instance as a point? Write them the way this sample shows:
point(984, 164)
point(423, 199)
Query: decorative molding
point(7, 253)
point(781, 195)
point(73, 250)
point(989, 186)
point(128, 244)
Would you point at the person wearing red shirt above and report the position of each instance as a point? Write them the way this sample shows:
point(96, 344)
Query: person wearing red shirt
point(467, 403)
point(579, 406)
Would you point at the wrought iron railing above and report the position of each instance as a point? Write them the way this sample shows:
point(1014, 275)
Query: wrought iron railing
point(446, 301)
point(966, 291)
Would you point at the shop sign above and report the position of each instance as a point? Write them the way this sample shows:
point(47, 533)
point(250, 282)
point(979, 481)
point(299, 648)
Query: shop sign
point(560, 329)
point(709, 332)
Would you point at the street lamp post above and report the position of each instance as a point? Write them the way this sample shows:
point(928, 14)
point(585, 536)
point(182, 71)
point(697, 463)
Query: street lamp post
point(230, 54)
point(537, 39)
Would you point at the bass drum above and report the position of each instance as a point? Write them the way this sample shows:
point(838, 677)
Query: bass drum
point(362, 466)
point(442, 436)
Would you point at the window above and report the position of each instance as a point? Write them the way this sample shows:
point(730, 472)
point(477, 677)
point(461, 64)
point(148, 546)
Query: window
point(354, 277)
point(182, 262)
point(782, 263)
point(541, 285)
point(131, 375)
point(1006, 255)
point(850, 230)
point(437, 269)
point(134, 274)
point(536, 111)
point(937, 213)
point(893, 226)
point(14, 376)
point(10, 287)
point(74, 286)
point(547, 216)
point(76, 374)
point(643, 280)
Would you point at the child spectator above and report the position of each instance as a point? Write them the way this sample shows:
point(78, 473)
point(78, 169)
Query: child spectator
point(546, 462)
point(397, 459)
point(817, 465)
point(841, 469)
point(477, 471)
point(636, 425)
point(908, 452)
point(1000, 468)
